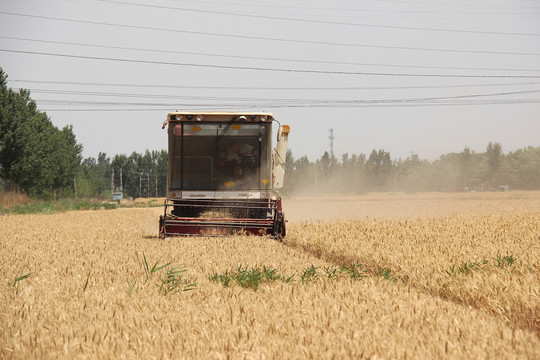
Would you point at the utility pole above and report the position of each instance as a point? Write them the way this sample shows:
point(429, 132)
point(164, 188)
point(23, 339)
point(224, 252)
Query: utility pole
point(156, 185)
point(140, 185)
point(148, 185)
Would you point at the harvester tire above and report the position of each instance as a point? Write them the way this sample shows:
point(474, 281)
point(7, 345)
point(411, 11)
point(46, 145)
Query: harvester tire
point(279, 227)
point(283, 227)
point(161, 227)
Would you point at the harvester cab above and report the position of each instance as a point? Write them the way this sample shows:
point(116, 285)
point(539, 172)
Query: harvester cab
point(222, 175)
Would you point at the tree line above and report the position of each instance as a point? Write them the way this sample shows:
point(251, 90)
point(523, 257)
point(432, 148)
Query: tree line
point(465, 171)
point(136, 175)
point(35, 156)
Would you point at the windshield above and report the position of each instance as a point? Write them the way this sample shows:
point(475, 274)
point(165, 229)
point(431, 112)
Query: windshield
point(220, 156)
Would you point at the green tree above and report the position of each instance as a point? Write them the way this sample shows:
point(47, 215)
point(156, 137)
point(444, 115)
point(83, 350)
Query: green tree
point(34, 155)
point(466, 163)
point(521, 169)
point(289, 181)
point(67, 156)
point(494, 155)
point(379, 169)
point(94, 177)
point(304, 180)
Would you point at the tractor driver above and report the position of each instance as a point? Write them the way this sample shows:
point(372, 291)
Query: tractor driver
point(236, 158)
point(232, 161)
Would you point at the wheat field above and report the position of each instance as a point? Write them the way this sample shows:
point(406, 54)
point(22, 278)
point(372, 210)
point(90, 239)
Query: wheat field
point(387, 276)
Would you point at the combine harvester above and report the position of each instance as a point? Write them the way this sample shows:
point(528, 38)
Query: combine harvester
point(222, 175)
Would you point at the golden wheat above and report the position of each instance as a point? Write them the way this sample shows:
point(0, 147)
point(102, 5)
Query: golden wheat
point(88, 295)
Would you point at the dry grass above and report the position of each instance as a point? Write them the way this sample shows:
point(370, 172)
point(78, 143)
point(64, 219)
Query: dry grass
point(8, 199)
point(87, 295)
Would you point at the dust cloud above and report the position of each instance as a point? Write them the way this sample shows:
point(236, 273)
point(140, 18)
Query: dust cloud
point(403, 206)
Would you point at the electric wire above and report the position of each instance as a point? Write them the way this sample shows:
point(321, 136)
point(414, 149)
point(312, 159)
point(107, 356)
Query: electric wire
point(195, 107)
point(268, 17)
point(458, 4)
point(250, 37)
point(352, 9)
point(291, 88)
point(292, 101)
point(243, 98)
point(264, 58)
point(378, 13)
point(255, 68)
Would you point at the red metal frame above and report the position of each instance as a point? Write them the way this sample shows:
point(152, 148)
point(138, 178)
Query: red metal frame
point(183, 217)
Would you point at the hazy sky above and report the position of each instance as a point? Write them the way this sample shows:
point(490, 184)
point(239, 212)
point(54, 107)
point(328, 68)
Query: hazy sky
point(428, 77)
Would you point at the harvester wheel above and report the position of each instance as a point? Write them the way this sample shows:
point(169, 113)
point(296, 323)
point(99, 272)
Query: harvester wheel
point(279, 227)
point(161, 227)
point(283, 229)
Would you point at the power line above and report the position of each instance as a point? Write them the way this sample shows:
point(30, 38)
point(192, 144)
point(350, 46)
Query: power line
point(243, 98)
point(341, 88)
point(255, 68)
point(362, 10)
point(281, 106)
point(458, 4)
point(151, 96)
point(295, 100)
point(267, 17)
point(236, 36)
point(264, 58)
point(369, 12)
